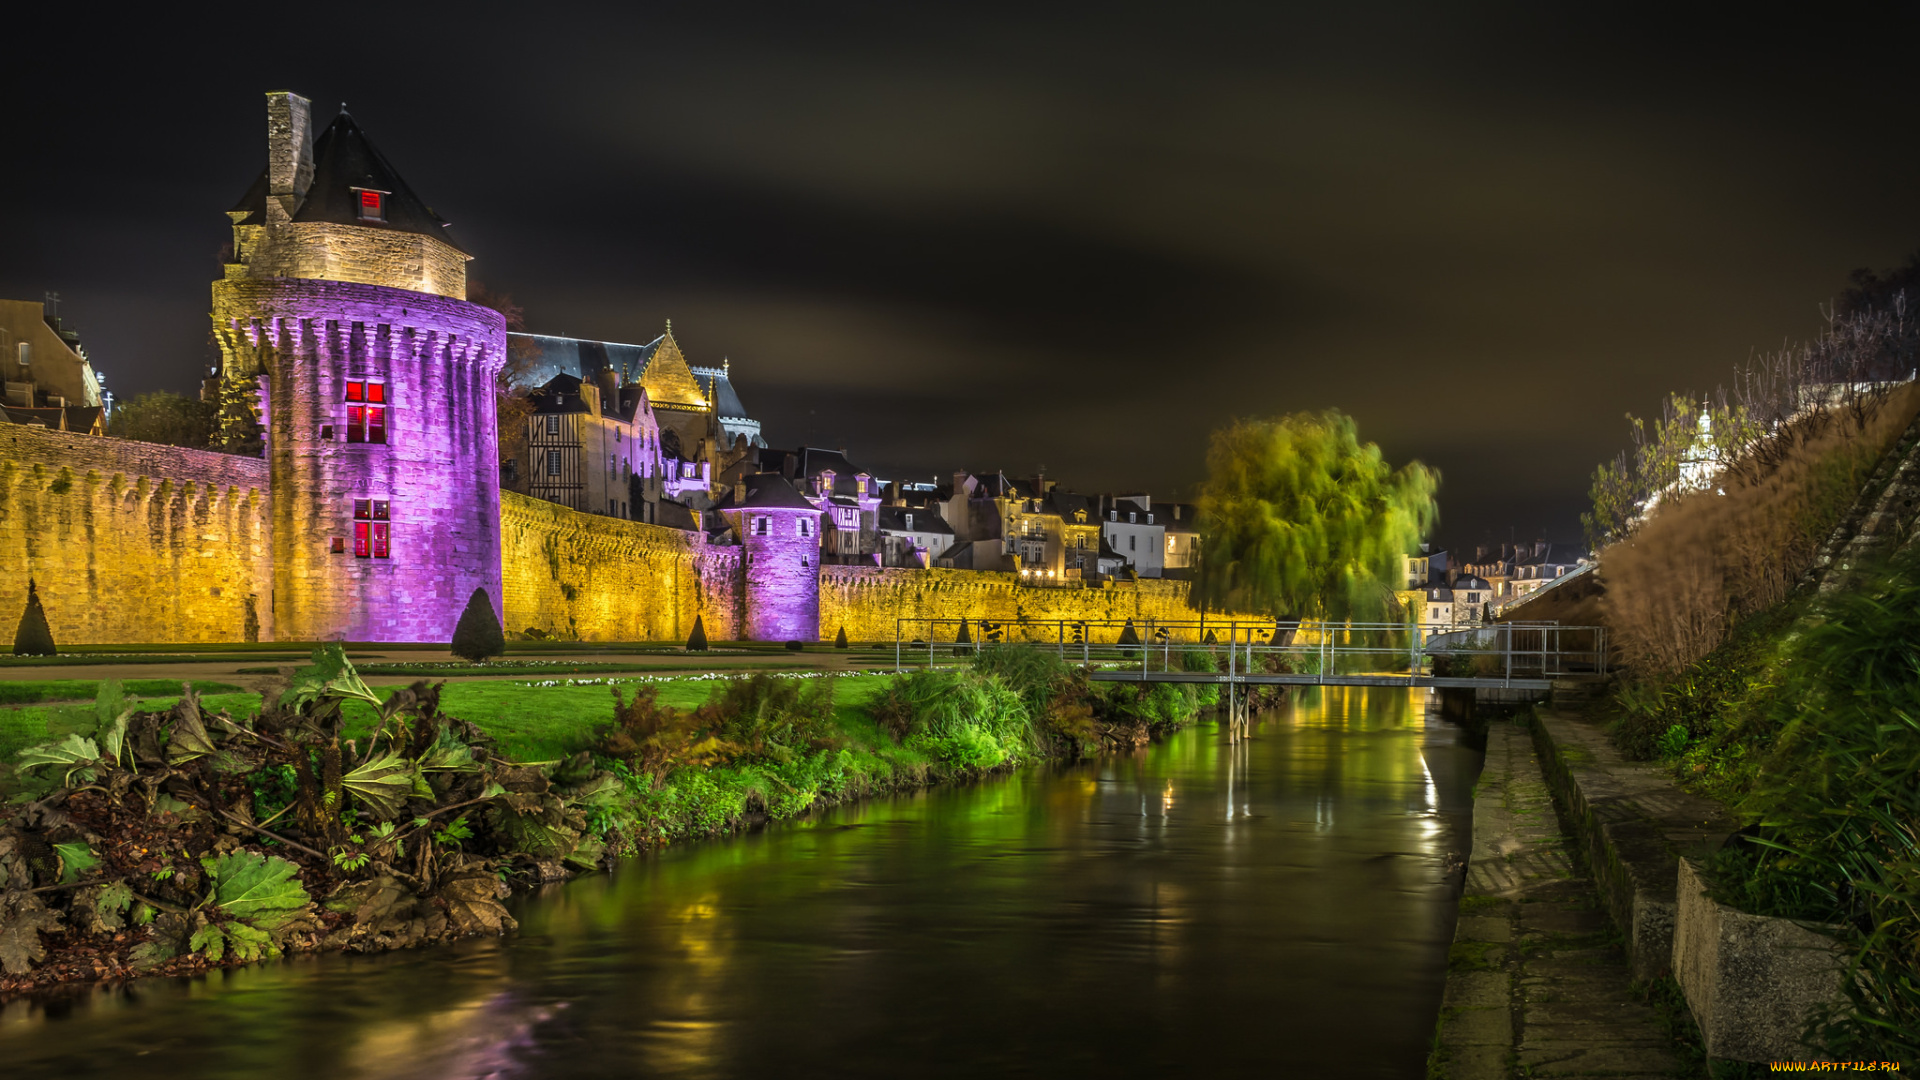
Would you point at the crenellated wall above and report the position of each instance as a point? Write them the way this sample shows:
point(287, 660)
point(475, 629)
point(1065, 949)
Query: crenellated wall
point(134, 542)
point(866, 601)
point(592, 578)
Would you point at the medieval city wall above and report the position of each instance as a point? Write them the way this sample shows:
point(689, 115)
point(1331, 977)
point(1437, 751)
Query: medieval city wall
point(132, 542)
point(866, 600)
point(591, 578)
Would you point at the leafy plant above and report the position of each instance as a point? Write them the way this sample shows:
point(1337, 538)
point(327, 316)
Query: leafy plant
point(1673, 742)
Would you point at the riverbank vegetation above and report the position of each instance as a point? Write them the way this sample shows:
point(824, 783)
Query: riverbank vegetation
point(329, 815)
point(1798, 708)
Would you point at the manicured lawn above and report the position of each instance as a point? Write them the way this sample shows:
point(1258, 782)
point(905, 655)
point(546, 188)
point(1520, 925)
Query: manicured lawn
point(22, 726)
point(531, 722)
point(25, 693)
point(542, 723)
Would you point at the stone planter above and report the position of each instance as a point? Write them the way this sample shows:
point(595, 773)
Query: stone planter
point(1751, 981)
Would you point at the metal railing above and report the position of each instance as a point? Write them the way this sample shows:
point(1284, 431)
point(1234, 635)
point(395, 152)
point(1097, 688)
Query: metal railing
point(1240, 651)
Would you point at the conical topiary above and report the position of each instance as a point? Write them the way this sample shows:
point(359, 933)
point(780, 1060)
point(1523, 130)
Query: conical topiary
point(1128, 635)
point(965, 637)
point(478, 635)
point(34, 638)
point(840, 639)
point(697, 641)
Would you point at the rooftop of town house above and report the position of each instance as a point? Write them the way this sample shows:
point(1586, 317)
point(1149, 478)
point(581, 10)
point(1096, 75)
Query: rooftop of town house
point(763, 491)
point(894, 519)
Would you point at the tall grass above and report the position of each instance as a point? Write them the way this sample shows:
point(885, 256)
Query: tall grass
point(1836, 802)
point(1705, 560)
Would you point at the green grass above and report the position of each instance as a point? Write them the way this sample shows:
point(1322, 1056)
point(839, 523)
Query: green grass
point(531, 723)
point(26, 693)
point(22, 726)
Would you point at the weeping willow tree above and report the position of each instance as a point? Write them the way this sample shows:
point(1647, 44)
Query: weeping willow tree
point(1300, 519)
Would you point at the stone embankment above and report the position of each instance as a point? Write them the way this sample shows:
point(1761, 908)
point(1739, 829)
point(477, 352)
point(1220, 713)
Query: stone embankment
point(1538, 984)
point(1585, 902)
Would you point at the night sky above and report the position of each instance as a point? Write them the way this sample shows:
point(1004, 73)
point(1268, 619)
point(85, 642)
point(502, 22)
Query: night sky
point(1015, 236)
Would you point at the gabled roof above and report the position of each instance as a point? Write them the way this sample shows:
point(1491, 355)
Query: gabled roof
point(670, 383)
point(344, 159)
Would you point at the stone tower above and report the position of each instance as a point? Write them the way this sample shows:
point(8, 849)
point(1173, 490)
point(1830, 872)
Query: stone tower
point(346, 302)
point(780, 558)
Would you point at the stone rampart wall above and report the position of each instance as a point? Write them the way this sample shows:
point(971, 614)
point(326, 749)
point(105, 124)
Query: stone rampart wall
point(592, 578)
point(867, 600)
point(133, 542)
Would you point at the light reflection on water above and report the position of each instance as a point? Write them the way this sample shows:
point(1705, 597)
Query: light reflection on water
point(1197, 907)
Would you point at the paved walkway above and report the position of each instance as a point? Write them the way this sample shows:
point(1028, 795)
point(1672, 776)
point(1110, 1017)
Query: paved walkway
point(1538, 985)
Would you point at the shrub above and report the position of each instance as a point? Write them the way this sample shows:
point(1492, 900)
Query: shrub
point(477, 635)
point(965, 636)
point(34, 637)
point(697, 641)
point(840, 639)
point(796, 646)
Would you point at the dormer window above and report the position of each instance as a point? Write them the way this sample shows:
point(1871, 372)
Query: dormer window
point(373, 204)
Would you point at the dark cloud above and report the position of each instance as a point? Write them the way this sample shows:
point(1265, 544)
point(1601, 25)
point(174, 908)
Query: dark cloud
point(1080, 236)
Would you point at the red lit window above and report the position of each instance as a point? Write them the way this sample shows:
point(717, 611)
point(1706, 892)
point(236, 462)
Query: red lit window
point(366, 411)
point(373, 206)
point(372, 535)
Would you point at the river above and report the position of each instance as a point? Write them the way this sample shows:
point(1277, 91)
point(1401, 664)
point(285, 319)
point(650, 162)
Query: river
point(1277, 908)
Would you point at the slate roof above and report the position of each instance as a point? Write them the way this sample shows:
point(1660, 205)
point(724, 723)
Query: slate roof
point(539, 357)
point(1068, 503)
point(343, 159)
point(894, 519)
point(720, 385)
point(765, 491)
point(811, 461)
point(561, 394)
point(1177, 517)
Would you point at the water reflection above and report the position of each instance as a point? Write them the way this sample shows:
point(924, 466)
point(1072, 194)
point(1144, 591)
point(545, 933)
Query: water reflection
point(1198, 906)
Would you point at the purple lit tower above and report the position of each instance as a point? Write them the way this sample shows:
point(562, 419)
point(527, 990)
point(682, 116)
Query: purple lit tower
point(345, 303)
point(779, 535)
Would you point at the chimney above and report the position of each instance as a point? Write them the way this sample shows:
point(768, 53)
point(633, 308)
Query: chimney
point(289, 154)
point(740, 490)
point(609, 391)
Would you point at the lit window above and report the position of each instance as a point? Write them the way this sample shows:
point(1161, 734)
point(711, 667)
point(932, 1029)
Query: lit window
point(553, 463)
point(373, 205)
point(370, 528)
point(366, 411)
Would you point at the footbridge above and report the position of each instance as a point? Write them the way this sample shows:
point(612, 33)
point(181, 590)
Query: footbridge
point(1516, 656)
